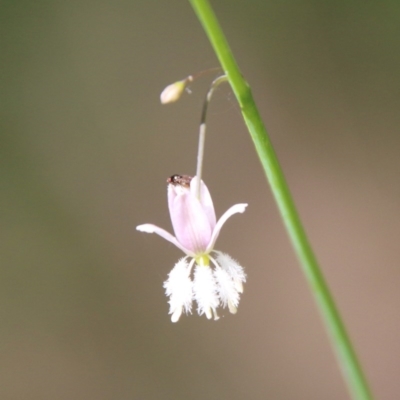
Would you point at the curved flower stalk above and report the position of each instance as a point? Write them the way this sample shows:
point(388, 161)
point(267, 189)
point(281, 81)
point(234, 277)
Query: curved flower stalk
point(217, 278)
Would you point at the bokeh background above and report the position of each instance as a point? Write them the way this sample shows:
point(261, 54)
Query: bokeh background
point(86, 147)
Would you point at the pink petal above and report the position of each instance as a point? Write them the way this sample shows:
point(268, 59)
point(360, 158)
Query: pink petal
point(191, 224)
point(150, 228)
point(205, 200)
point(172, 193)
point(237, 208)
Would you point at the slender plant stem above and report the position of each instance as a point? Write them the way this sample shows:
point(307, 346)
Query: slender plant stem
point(346, 355)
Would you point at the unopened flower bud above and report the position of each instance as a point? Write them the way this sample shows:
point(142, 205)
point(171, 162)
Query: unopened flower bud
point(174, 91)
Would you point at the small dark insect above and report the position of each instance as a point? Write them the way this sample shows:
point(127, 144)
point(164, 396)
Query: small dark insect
point(182, 180)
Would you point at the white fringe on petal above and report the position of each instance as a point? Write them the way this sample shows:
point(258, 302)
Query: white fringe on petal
point(227, 291)
point(205, 291)
point(179, 288)
point(234, 270)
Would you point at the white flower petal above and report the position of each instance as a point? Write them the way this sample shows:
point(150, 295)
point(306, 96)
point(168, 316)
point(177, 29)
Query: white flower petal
point(227, 290)
point(205, 291)
point(176, 314)
point(237, 208)
point(232, 267)
point(178, 287)
point(232, 307)
point(150, 228)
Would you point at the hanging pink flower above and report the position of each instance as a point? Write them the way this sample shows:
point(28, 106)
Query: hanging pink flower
point(214, 284)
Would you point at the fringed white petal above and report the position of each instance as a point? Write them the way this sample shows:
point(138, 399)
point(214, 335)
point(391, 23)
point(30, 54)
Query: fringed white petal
point(227, 291)
point(179, 288)
point(232, 267)
point(205, 291)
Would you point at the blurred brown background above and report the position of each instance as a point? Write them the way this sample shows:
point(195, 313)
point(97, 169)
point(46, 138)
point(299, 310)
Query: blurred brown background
point(85, 149)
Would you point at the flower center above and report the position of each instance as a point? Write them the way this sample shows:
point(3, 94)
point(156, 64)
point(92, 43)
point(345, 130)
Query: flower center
point(203, 260)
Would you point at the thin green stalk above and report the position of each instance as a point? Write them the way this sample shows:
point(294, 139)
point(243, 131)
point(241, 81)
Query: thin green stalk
point(347, 358)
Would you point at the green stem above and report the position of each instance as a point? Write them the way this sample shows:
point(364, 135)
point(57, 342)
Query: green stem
point(347, 358)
